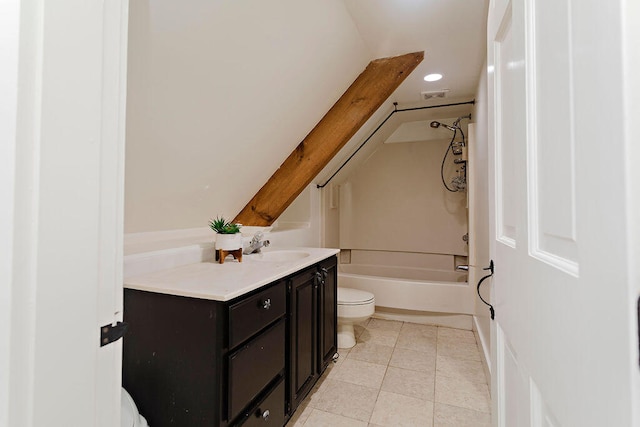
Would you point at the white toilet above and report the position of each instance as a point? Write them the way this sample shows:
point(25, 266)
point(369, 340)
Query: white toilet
point(354, 306)
point(129, 415)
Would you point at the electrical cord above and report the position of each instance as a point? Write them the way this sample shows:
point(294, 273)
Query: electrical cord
point(491, 310)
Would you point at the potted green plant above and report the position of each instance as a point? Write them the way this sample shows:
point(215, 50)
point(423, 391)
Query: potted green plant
point(228, 235)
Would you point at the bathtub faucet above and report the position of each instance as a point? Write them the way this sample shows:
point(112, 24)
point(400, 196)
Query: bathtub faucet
point(256, 244)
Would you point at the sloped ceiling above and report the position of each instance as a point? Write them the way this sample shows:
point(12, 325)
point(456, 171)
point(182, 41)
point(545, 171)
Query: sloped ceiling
point(220, 93)
point(452, 33)
point(342, 121)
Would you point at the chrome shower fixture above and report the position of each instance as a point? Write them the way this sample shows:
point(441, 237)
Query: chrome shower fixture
point(459, 182)
point(453, 127)
point(456, 123)
point(434, 124)
point(457, 148)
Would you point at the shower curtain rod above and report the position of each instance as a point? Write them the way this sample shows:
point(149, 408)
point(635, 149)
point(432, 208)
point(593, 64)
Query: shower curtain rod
point(395, 110)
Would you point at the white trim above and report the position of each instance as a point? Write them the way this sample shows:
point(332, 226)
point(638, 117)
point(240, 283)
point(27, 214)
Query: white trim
point(564, 264)
point(9, 55)
point(446, 320)
point(25, 225)
point(631, 57)
point(539, 414)
point(501, 232)
point(485, 345)
point(499, 394)
point(111, 225)
point(535, 403)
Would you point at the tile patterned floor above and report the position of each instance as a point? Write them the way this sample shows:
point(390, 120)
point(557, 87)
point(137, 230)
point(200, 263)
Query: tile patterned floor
point(401, 374)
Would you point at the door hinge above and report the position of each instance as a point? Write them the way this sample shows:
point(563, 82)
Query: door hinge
point(111, 333)
point(638, 331)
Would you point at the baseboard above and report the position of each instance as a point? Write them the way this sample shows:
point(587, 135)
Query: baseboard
point(458, 321)
point(485, 347)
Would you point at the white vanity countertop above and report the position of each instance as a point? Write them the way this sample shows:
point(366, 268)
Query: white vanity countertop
point(223, 282)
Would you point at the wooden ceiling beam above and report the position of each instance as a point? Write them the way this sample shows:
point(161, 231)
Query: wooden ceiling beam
point(365, 95)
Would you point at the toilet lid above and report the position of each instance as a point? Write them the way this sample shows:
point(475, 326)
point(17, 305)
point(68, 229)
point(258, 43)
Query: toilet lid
point(348, 296)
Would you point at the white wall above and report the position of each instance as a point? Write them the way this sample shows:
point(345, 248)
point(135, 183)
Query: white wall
point(395, 201)
point(300, 224)
point(219, 95)
point(480, 237)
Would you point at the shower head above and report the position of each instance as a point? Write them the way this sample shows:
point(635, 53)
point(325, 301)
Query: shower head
point(436, 125)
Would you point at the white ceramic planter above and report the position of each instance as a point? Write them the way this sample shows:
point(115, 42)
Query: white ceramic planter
point(229, 242)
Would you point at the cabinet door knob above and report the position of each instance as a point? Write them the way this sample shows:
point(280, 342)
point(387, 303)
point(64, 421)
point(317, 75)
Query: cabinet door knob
point(266, 304)
point(265, 415)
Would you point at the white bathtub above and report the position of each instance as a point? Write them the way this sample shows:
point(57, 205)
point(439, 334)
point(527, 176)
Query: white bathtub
point(410, 288)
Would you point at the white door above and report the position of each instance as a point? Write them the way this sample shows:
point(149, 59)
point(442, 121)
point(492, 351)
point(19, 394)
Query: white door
point(564, 342)
point(63, 199)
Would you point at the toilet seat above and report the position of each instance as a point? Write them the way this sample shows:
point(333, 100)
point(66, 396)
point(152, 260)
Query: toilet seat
point(348, 296)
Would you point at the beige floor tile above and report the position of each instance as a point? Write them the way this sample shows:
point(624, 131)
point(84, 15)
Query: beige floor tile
point(359, 372)
point(455, 348)
point(346, 399)
point(359, 327)
point(343, 354)
point(316, 392)
point(418, 343)
point(300, 416)
point(409, 383)
point(453, 416)
point(379, 336)
point(326, 419)
point(413, 360)
point(426, 364)
point(387, 325)
point(370, 352)
point(396, 410)
point(469, 370)
point(458, 334)
point(357, 331)
point(416, 329)
point(456, 392)
point(364, 323)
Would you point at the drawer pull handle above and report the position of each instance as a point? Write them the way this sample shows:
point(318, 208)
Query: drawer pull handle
point(265, 415)
point(266, 304)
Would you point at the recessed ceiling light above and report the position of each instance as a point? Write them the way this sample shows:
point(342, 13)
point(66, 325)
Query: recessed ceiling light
point(432, 77)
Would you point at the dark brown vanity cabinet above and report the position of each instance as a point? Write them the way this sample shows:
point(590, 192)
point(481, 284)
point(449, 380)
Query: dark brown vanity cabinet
point(249, 361)
point(173, 358)
point(328, 313)
point(313, 326)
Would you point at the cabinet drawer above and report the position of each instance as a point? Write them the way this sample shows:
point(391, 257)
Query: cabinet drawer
point(269, 412)
point(254, 366)
point(254, 313)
